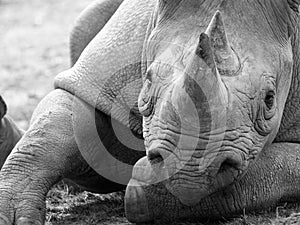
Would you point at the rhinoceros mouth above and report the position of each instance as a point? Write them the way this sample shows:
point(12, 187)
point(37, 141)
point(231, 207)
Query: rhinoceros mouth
point(228, 172)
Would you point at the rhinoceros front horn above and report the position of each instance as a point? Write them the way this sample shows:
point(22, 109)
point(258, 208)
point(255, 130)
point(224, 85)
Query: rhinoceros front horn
point(226, 60)
point(213, 59)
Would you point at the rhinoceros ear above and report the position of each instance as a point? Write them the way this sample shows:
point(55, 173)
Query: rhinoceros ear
point(295, 5)
point(227, 61)
point(3, 108)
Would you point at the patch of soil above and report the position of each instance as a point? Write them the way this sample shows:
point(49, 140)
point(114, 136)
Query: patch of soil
point(34, 38)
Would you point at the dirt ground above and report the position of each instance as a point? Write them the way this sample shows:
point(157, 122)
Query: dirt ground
point(33, 49)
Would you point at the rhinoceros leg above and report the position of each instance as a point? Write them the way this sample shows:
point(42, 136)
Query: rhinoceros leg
point(274, 178)
point(47, 153)
point(88, 25)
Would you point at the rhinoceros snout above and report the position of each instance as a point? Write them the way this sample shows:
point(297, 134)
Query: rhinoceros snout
point(189, 182)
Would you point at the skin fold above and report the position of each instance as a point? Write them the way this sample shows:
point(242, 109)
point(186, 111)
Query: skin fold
point(226, 134)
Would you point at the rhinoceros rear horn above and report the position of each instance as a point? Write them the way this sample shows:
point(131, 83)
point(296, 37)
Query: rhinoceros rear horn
point(226, 60)
point(3, 107)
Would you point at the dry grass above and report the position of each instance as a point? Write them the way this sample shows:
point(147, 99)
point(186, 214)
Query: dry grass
point(34, 48)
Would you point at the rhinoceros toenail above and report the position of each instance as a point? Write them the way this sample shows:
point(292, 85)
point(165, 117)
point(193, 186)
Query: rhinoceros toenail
point(26, 221)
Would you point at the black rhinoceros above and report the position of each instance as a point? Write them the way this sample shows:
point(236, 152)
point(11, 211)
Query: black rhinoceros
point(210, 91)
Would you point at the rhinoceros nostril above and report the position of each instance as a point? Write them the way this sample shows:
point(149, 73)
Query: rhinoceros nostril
point(155, 157)
point(227, 164)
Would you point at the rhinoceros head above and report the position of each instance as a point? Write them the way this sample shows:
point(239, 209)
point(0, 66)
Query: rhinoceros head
point(213, 97)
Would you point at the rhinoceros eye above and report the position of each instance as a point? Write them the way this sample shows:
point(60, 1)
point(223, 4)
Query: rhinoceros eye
point(270, 99)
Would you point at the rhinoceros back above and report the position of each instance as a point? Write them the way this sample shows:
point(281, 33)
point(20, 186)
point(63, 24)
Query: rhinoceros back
point(108, 73)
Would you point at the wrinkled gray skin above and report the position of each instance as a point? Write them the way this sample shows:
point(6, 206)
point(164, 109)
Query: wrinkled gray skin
point(10, 134)
point(238, 89)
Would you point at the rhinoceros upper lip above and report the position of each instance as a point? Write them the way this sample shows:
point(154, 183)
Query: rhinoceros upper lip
point(136, 205)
